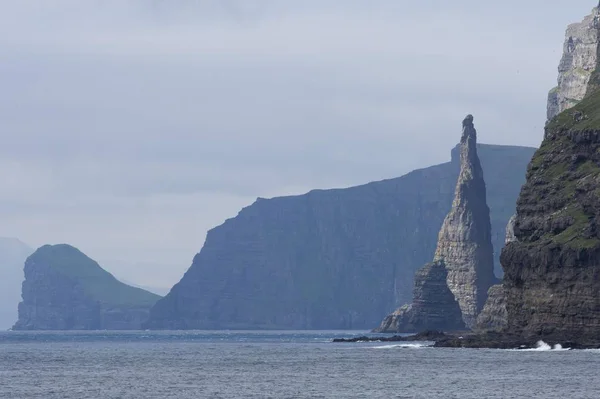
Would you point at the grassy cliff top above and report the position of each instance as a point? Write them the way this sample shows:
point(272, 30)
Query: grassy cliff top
point(584, 116)
point(563, 175)
point(97, 282)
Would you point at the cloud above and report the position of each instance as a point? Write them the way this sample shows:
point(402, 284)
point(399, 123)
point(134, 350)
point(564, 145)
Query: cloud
point(132, 127)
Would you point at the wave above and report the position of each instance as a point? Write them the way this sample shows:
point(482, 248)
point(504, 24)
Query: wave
point(541, 346)
point(409, 346)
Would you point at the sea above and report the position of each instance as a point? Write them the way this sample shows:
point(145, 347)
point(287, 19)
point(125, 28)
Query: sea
point(280, 364)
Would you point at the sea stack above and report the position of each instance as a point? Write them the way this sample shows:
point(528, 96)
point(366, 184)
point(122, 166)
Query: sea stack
point(66, 290)
point(464, 241)
point(452, 299)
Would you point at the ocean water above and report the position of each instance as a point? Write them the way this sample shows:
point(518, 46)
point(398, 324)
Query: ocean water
point(305, 364)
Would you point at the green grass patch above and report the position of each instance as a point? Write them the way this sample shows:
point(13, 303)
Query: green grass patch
point(573, 236)
point(589, 107)
point(99, 284)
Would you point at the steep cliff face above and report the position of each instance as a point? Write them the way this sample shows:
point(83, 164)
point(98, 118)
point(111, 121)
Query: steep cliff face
point(552, 271)
point(66, 290)
point(510, 230)
point(552, 268)
point(12, 256)
point(329, 259)
point(464, 242)
point(580, 54)
point(493, 317)
point(433, 308)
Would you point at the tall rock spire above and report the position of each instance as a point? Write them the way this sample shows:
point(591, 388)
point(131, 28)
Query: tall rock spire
point(450, 292)
point(464, 241)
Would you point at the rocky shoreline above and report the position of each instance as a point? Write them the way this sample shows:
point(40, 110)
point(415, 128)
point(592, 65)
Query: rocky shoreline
point(423, 336)
point(489, 340)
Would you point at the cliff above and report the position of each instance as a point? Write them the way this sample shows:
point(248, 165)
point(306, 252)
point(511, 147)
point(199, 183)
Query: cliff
point(552, 283)
point(464, 242)
point(433, 308)
point(493, 317)
point(551, 270)
point(330, 258)
point(66, 290)
point(580, 54)
point(12, 256)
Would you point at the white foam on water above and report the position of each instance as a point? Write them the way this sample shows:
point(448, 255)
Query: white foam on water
point(559, 347)
point(541, 346)
point(409, 346)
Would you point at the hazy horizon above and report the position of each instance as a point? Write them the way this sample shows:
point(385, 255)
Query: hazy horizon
point(132, 128)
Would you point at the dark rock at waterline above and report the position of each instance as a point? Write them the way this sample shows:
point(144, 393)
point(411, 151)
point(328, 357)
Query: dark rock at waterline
point(422, 336)
point(499, 340)
point(487, 340)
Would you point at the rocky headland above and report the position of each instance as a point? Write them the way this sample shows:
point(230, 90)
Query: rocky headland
point(66, 290)
point(330, 259)
point(450, 292)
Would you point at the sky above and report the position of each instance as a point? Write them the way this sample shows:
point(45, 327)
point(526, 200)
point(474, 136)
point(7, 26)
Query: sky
point(131, 127)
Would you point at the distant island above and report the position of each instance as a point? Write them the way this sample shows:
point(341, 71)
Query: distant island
point(66, 290)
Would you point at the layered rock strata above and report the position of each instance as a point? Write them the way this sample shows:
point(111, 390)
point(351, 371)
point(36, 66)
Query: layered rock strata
point(66, 290)
point(580, 54)
point(552, 271)
point(434, 306)
point(493, 316)
point(464, 242)
point(552, 268)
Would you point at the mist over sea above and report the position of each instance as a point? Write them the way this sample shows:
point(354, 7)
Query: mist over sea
point(291, 364)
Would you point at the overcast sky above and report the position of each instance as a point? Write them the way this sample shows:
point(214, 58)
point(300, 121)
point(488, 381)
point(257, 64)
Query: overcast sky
point(130, 128)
